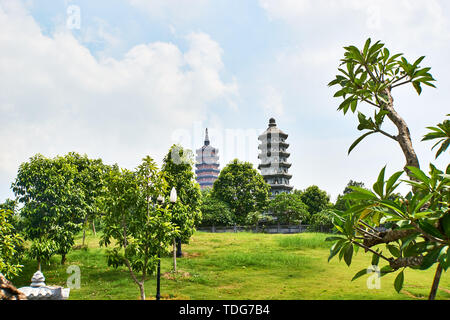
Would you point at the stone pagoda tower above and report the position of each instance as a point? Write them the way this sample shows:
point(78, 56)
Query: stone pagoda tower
point(207, 164)
point(274, 159)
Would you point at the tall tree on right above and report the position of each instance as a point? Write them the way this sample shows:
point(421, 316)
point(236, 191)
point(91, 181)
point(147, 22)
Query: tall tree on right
point(370, 76)
point(414, 229)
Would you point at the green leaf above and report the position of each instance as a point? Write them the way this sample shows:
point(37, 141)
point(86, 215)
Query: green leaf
point(348, 255)
point(379, 185)
point(375, 259)
point(393, 250)
point(430, 229)
point(391, 181)
point(359, 274)
point(335, 249)
point(398, 283)
point(419, 174)
point(430, 258)
point(357, 141)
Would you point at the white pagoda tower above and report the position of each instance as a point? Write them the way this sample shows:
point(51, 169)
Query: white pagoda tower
point(274, 159)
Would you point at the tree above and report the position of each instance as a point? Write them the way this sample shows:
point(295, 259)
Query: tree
point(243, 188)
point(369, 77)
point(11, 246)
point(322, 220)
point(414, 228)
point(142, 230)
point(90, 177)
point(315, 198)
point(341, 203)
point(179, 174)
point(53, 209)
point(214, 211)
point(288, 208)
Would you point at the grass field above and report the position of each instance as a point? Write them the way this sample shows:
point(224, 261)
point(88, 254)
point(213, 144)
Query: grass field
point(238, 266)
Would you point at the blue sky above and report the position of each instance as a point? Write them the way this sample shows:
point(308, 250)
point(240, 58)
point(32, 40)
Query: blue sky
point(140, 75)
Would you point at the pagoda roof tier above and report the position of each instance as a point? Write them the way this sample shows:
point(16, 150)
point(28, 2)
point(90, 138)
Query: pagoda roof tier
point(274, 153)
point(207, 159)
point(280, 164)
point(281, 186)
point(275, 175)
point(265, 143)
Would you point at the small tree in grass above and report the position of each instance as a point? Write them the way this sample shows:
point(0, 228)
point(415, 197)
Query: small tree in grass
point(288, 208)
point(141, 229)
point(179, 174)
point(53, 205)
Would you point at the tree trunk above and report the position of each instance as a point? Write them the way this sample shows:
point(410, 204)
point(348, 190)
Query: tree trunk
point(142, 290)
point(437, 278)
point(84, 236)
point(84, 229)
point(403, 137)
point(63, 258)
point(39, 264)
point(179, 252)
point(93, 227)
point(174, 255)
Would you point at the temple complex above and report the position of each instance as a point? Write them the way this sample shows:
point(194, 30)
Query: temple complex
point(207, 164)
point(274, 164)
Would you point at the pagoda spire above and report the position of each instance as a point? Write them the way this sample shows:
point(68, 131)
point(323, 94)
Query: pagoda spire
point(206, 138)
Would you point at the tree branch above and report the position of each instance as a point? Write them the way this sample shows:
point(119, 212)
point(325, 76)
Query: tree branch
point(388, 236)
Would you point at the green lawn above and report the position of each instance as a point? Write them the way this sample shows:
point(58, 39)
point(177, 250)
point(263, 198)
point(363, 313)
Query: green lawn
point(238, 266)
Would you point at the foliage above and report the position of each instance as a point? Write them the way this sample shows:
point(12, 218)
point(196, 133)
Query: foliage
point(178, 172)
point(416, 228)
point(370, 75)
point(11, 246)
point(343, 204)
point(243, 188)
point(141, 229)
point(53, 203)
point(315, 198)
point(90, 178)
point(288, 208)
point(321, 221)
point(442, 132)
point(214, 211)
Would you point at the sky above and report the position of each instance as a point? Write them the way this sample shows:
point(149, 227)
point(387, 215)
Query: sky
point(122, 79)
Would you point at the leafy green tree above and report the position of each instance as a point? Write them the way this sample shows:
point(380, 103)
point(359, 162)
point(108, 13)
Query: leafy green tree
point(141, 229)
point(53, 209)
point(243, 188)
point(416, 227)
point(288, 208)
point(91, 178)
point(442, 132)
point(179, 173)
point(369, 76)
point(214, 211)
point(315, 198)
point(341, 203)
point(11, 246)
point(322, 220)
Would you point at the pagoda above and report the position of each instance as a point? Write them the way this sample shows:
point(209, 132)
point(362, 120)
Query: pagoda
point(274, 164)
point(207, 164)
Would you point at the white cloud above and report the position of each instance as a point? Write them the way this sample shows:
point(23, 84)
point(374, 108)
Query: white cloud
point(175, 10)
point(57, 97)
point(272, 102)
